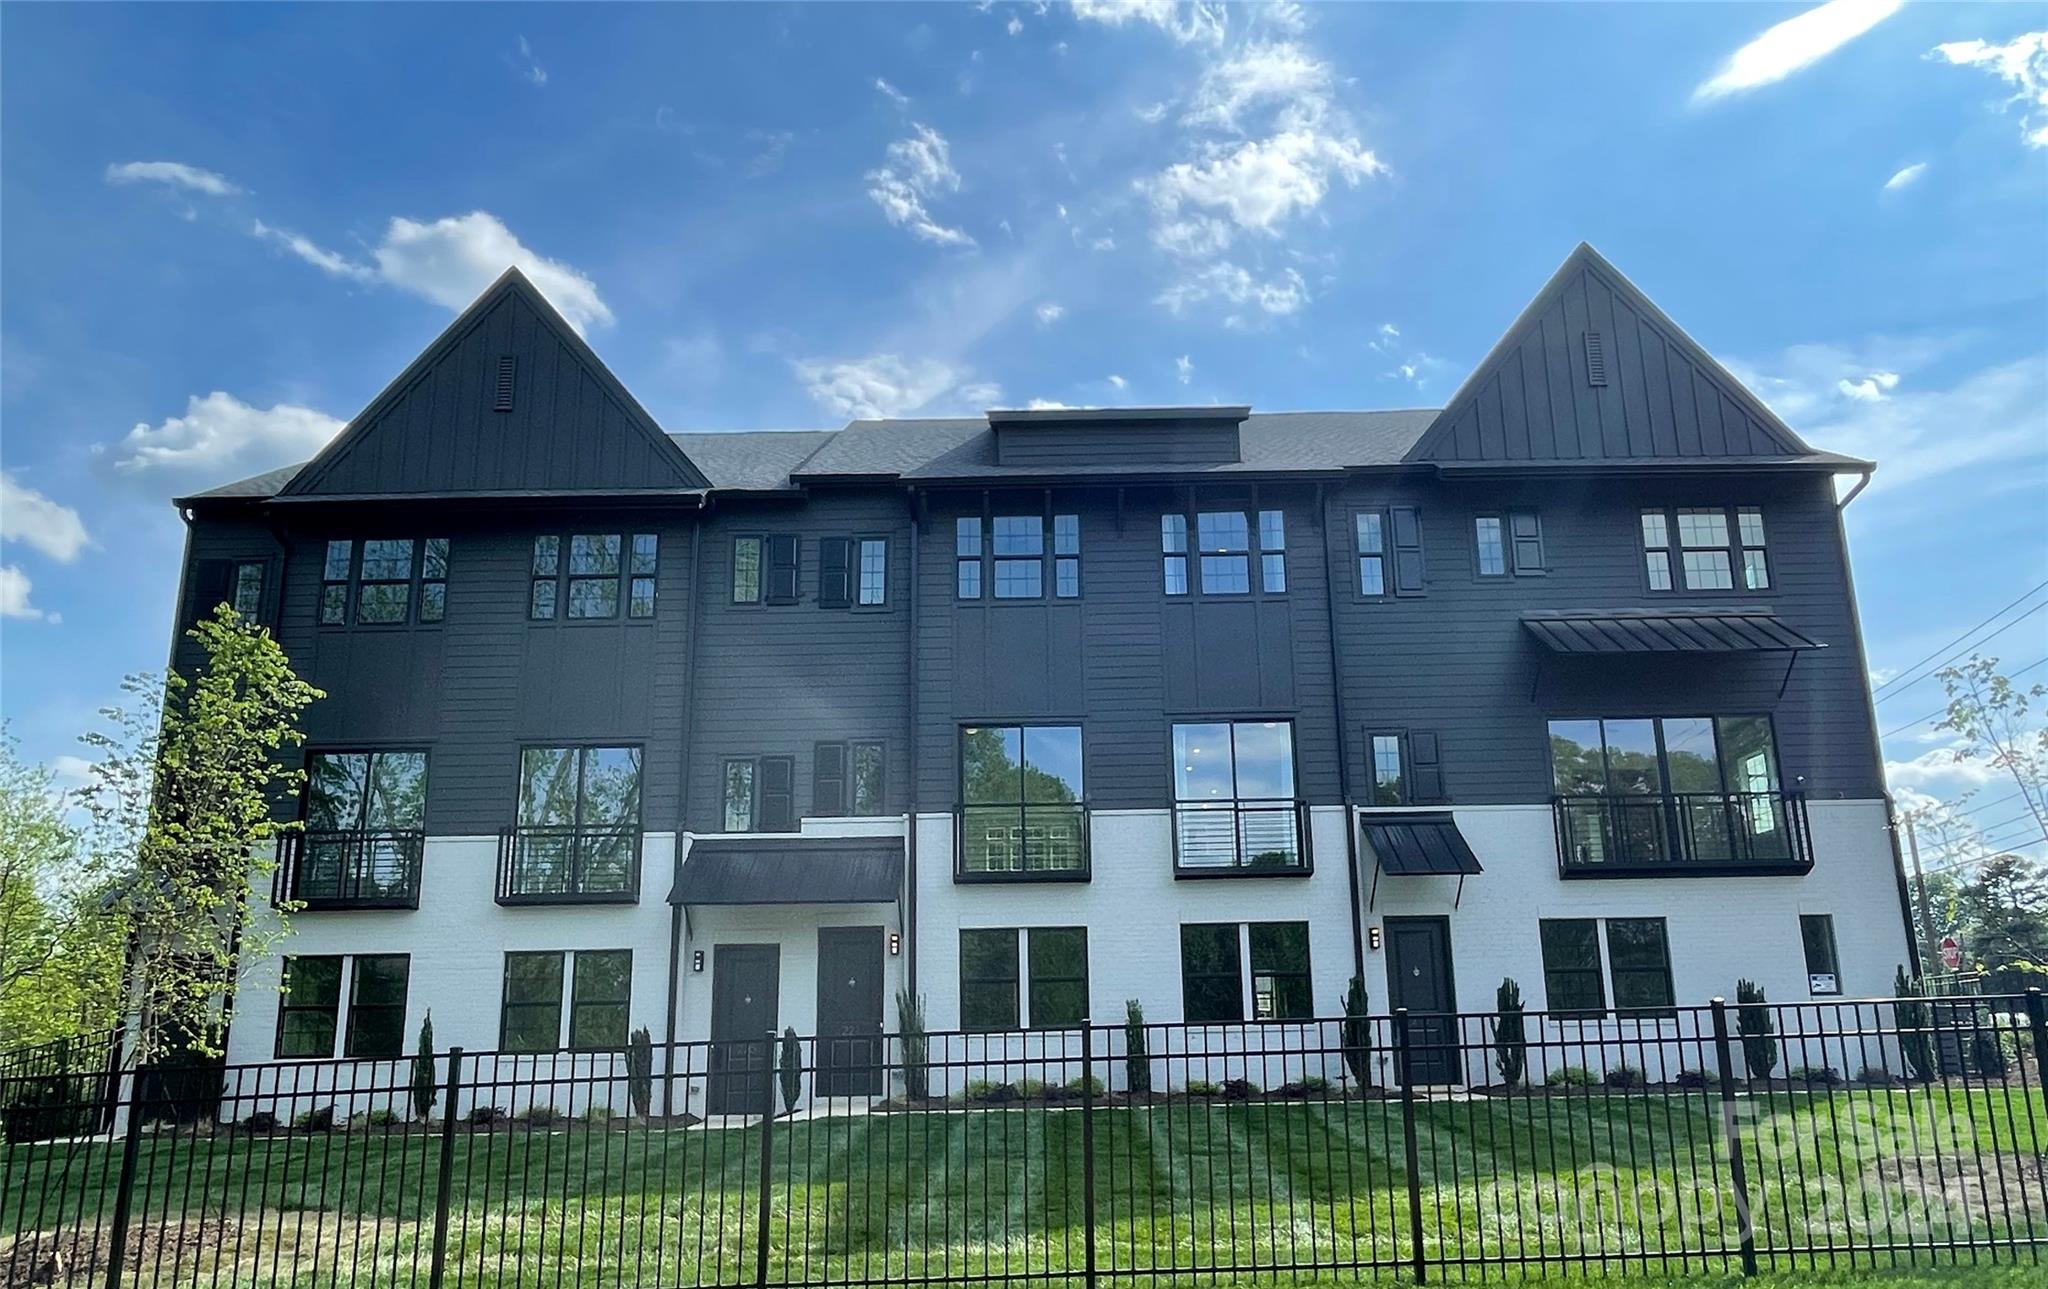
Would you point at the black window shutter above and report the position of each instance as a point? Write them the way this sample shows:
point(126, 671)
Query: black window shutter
point(1407, 551)
point(782, 552)
point(213, 581)
point(1528, 541)
point(1425, 771)
point(828, 780)
point(778, 794)
point(508, 366)
point(835, 572)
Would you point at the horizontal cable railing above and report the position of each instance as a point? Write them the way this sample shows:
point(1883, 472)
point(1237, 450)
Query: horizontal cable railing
point(561, 865)
point(1241, 836)
point(1684, 832)
point(350, 869)
point(1713, 1139)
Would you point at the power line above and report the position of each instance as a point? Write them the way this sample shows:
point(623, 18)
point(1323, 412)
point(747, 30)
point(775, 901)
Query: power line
point(1978, 644)
point(1944, 707)
point(1959, 639)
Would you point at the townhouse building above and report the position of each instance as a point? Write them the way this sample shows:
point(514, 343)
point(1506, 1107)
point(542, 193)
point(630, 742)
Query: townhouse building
point(1033, 713)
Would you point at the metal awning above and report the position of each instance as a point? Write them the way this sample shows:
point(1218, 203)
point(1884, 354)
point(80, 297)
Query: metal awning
point(1666, 631)
point(1407, 843)
point(791, 870)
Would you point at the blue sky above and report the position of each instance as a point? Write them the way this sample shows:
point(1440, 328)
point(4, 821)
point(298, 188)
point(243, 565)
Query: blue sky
point(226, 228)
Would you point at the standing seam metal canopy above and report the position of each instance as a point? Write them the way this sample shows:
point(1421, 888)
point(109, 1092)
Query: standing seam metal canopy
point(816, 870)
point(1689, 631)
point(1418, 845)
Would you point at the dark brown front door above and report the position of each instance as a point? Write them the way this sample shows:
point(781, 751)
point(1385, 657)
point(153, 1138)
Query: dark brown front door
point(744, 979)
point(849, 1011)
point(1419, 978)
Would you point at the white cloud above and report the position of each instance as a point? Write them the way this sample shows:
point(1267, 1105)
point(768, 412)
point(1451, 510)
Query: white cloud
point(1051, 312)
point(219, 434)
point(890, 92)
point(14, 596)
point(1256, 186)
point(532, 69)
point(1184, 368)
point(1014, 26)
point(450, 261)
point(918, 168)
point(1198, 23)
point(1871, 389)
point(1117, 381)
point(1794, 44)
point(1909, 174)
point(885, 385)
point(1281, 294)
point(175, 174)
point(2022, 63)
point(1045, 405)
point(1936, 773)
point(28, 516)
point(1151, 114)
point(1263, 72)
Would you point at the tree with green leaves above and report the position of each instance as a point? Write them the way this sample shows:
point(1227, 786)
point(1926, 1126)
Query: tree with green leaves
point(1996, 725)
point(2001, 916)
point(1510, 1036)
point(425, 1087)
point(183, 805)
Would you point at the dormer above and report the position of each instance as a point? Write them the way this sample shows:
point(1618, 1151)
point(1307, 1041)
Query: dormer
point(1118, 436)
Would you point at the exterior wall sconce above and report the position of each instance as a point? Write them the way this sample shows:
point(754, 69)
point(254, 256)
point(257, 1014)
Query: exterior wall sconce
point(697, 957)
point(895, 943)
point(1372, 937)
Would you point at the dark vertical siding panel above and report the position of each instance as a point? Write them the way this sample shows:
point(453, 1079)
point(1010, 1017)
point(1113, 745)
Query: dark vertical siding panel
point(1637, 409)
point(1684, 404)
point(1614, 427)
point(1707, 401)
point(1492, 440)
point(1536, 395)
point(1593, 442)
point(1557, 377)
point(1513, 402)
point(1657, 391)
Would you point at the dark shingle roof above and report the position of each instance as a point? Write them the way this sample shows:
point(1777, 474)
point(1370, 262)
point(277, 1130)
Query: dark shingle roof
point(255, 486)
point(751, 460)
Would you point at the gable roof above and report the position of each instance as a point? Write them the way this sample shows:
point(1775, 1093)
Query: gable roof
point(1593, 372)
point(560, 422)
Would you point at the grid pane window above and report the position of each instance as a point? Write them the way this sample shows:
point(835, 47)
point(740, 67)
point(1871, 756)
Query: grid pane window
point(1021, 795)
point(1059, 975)
point(593, 590)
point(434, 579)
point(1492, 546)
point(531, 1019)
point(1211, 973)
point(248, 589)
point(1756, 564)
point(384, 582)
point(967, 557)
point(376, 1007)
point(988, 979)
point(547, 564)
point(1657, 549)
point(334, 576)
point(1066, 551)
point(1019, 547)
point(1389, 783)
point(1715, 546)
point(1224, 539)
point(1639, 960)
point(1173, 543)
point(746, 570)
point(874, 571)
point(1369, 533)
point(1272, 551)
point(1571, 965)
point(309, 1007)
point(601, 989)
point(646, 559)
point(1280, 975)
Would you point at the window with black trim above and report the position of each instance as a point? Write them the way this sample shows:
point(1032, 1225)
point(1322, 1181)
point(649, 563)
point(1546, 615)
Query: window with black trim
point(989, 979)
point(1389, 773)
point(746, 570)
point(1714, 546)
point(1369, 538)
point(389, 581)
point(530, 1017)
point(577, 830)
point(1639, 966)
point(645, 561)
point(600, 992)
point(1021, 800)
point(1218, 958)
point(1489, 537)
point(852, 571)
point(1508, 543)
point(760, 794)
point(1211, 973)
point(1173, 543)
point(1388, 547)
point(1016, 550)
point(967, 557)
point(1571, 966)
point(1823, 964)
point(248, 587)
point(1234, 804)
point(1225, 544)
point(1281, 988)
point(309, 1007)
point(589, 575)
point(376, 1006)
point(1058, 982)
point(872, 587)
point(1407, 769)
point(847, 778)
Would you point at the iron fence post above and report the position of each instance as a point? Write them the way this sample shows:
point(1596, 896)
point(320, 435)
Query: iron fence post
point(1088, 1145)
point(444, 1185)
point(124, 1191)
point(2037, 1020)
point(1731, 1130)
point(1408, 1145)
point(767, 1158)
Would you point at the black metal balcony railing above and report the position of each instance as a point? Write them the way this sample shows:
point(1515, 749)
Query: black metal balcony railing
point(1243, 837)
point(1034, 842)
point(562, 865)
point(350, 869)
point(1685, 834)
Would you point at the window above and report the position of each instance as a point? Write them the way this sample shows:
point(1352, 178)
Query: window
point(874, 571)
point(1211, 979)
point(376, 1007)
point(967, 557)
point(1639, 961)
point(1280, 976)
point(1059, 976)
point(746, 570)
point(1823, 967)
point(593, 575)
point(1490, 538)
point(364, 811)
point(531, 1018)
point(760, 794)
point(1571, 966)
point(1407, 768)
point(1666, 754)
point(847, 779)
point(1510, 543)
point(1234, 797)
point(1370, 534)
point(1019, 544)
point(1714, 542)
point(588, 581)
point(646, 559)
point(1021, 800)
point(1066, 556)
point(988, 979)
point(601, 988)
point(1224, 540)
point(1272, 551)
point(390, 575)
point(1389, 782)
point(852, 571)
point(579, 821)
point(309, 1007)
point(248, 588)
point(547, 566)
point(1173, 541)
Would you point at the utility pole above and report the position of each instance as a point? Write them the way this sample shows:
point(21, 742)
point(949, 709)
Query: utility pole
point(1926, 949)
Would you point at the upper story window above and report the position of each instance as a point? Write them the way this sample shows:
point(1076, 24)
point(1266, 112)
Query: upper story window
point(760, 794)
point(1406, 767)
point(364, 829)
point(1668, 754)
point(847, 778)
point(852, 571)
point(1223, 551)
point(1509, 543)
point(1009, 555)
point(1021, 802)
point(593, 575)
point(248, 587)
point(387, 580)
point(1714, 546)
point(1234, 797)
point(578, 832)
point(1388, 547)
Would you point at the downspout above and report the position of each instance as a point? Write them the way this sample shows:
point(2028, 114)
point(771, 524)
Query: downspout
point(1343, 733)
point(910, 800)
point(675, 914)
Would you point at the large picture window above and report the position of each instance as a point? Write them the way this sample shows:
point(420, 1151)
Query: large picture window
point(1234, 797)
point(1059, 975)
point(1699, 788)
point(380, 581)
point(1217, 959)
point(1022, 810)
point(376, 1006)
point(591, 575)
point(309, 1007)
point(364, 827)
point(600, 991)
point(1706, 548)
point(988, 979)
point(531, 1017)
point(578, 832)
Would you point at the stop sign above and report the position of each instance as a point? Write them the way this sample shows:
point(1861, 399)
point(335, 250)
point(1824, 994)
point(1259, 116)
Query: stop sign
point(1951, 952)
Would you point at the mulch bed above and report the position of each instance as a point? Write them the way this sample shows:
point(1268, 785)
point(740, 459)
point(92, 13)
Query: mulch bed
point(81, 1256)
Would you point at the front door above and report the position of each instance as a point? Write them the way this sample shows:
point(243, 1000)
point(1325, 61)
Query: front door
point(744, 978)
point(1419, 978)
point(849, 1011)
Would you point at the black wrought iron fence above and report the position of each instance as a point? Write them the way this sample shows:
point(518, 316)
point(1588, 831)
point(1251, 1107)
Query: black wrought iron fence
point(1711, 1138)
point(60, 1087)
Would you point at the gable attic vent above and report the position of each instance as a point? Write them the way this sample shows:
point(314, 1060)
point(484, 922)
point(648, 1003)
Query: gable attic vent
point(507, 365)
point(1596, 358)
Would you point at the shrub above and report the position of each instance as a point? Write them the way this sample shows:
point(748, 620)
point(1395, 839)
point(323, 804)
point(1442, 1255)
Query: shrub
point(1987, 1053)
point(1698, 1079)
point(598, 1114)
point(484, 1116)
point(989, 1092)
point(261, 1121)
point(425, 1088)
point(1239, 1089)
point(381, 1117)
point(910, 1035)
point(316, 1120)
point(1202, 1088)
point(1510, 1039)
point(1028, 1088)
point(1821, 1075)
point(1623, 1076)
point(1084, 1085)
point(791, 1072)
point(1876, 1076)
point(1357, 1032)
point(640, 1071)
point(1915, 1044)
point(1315, 1083)
point(1759, 1032)
point(1137, 1063)
point(1570, 1076)
point(538, 1116)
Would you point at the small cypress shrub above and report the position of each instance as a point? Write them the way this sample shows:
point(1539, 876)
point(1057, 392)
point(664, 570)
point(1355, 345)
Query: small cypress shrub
point(640, 1071)
point(1759, 1032)
point(1510, 1038)
point(1137, 1062)
point(425, 1087)
point(1357, 1033)
point(791, 1072)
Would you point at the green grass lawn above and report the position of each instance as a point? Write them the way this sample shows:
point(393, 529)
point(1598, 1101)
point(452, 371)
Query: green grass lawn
point(1595, 1184)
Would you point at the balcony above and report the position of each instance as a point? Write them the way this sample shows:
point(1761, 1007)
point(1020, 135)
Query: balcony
point(351, 869)
point(1688, 834)
point(1034, 842)
point(1246, 838)
point(564, 865)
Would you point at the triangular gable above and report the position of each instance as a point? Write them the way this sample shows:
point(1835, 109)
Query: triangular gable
point(1594, 372)
point(460, 420)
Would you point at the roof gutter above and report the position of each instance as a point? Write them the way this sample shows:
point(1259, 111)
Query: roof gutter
point(1862, 482)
